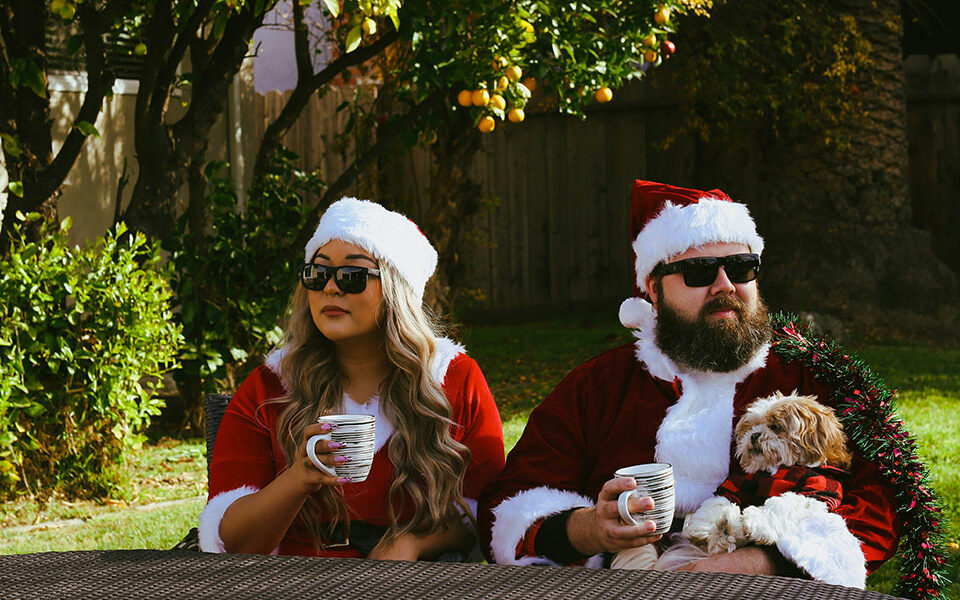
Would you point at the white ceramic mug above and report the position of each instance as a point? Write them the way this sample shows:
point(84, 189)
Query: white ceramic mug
point(358, 434)
point(656, 481)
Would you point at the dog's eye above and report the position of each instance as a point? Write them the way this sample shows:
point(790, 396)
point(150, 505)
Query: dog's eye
point(775, 428)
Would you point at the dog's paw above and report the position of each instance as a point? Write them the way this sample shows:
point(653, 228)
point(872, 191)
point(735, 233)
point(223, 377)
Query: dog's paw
point(757, 527)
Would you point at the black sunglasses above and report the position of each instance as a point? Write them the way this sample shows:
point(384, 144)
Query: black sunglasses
point(350, 279)
point(702, 271)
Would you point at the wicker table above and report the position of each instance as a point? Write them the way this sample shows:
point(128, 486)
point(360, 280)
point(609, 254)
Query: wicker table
point(137, 574)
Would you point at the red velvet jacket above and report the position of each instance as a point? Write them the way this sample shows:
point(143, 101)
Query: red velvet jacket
point(248, 453)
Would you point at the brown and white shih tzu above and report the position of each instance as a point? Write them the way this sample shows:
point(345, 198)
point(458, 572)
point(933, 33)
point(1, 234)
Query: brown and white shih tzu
point(793, 450)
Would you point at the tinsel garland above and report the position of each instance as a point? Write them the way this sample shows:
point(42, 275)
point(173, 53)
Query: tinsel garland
point(865, 406)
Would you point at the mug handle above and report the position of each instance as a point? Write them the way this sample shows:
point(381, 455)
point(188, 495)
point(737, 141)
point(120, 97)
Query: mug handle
point(312, 453)
point(622, 505)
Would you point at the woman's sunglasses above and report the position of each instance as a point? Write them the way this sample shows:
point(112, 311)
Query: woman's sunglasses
point(702, 271)
point(350, 280)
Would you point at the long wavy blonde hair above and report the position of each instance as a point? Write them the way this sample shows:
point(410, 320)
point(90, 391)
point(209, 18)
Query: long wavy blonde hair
point(428, 464)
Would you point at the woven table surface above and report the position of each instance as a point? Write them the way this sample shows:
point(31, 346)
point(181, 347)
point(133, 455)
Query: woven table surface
point(136, 574)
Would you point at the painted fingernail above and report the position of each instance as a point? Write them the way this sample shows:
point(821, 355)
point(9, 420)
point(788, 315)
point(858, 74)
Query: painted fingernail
point(343, 480)
point(326, 427)
point(341, 459)
point(337, 445)
point(650, 526)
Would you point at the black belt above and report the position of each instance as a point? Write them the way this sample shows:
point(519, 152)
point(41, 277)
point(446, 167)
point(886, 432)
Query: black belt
point(358, 535)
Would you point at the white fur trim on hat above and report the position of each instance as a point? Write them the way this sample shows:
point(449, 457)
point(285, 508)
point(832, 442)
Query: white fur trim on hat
point(388, 235)
point(677, 228)
point(513, 516)
point(209, 528)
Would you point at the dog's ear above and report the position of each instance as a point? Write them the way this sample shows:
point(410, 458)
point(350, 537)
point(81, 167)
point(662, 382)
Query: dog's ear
point(821, 435)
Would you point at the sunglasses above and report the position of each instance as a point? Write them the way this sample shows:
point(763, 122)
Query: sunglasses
point(702, 271)
point(350, 280)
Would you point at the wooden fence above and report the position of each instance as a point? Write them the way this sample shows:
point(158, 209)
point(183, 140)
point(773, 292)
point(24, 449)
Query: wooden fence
point(933, 111)
point(558, 235)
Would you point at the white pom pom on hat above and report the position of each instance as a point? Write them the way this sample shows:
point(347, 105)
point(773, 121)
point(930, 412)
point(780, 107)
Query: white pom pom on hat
point(390, 236)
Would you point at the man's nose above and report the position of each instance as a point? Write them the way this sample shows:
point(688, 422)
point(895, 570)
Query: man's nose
point(722, 284)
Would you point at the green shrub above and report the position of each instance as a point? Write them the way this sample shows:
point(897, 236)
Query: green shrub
point(234, 279)
point(85, 333)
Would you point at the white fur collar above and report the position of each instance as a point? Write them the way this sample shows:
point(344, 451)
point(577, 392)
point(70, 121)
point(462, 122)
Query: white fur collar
point(446, 351)
point(696, 433)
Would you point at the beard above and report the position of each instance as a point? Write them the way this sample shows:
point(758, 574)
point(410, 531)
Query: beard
point(718, 346)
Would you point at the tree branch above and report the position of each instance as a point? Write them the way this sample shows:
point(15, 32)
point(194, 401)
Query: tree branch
point(181, 41)
point(305, 89)
point(301, 44)
point(99, 80)
point(387, 135)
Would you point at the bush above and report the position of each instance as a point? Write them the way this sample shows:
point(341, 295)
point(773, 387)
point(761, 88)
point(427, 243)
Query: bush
point(234, 279)
point(85, 333)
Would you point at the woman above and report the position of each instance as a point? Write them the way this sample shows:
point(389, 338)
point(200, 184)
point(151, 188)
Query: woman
point(357, 342)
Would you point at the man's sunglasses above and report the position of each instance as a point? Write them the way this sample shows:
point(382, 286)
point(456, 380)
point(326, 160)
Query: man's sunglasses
point(702, 271)
point(350, 280)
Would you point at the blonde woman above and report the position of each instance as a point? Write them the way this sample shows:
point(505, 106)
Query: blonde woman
point(357, 342)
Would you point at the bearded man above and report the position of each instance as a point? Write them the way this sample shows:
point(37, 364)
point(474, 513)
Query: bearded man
point(701, 356)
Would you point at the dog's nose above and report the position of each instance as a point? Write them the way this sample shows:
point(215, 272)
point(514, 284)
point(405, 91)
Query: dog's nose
point(754, 438)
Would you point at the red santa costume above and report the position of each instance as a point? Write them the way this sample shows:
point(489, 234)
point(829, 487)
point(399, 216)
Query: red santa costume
point(634, 404)
point(248, 454)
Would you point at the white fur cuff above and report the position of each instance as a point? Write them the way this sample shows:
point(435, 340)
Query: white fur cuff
point(515, 515)
point(817, 540)
point(209, 528)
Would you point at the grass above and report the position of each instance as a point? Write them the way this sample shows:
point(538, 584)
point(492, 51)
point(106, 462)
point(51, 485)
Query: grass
point(522, 364)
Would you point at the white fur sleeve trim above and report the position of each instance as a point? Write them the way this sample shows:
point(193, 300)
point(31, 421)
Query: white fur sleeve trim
point(209, 528)
point(817, 540)
point(513, 516)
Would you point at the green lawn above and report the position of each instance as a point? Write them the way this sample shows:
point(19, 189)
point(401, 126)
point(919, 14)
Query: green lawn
point(522, 364)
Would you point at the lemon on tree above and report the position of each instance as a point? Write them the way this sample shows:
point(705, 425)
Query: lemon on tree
point(502, 83)
point(486, 124)
point(514, 73)
point(465, 98)
point(650, 40)
point(515, 115)
point(497, 101)
point(650, 56)
point(480, 97)
point(604, 94)
point(662, 16)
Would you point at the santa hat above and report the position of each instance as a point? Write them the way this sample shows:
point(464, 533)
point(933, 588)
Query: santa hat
point(389, 236)
point(666, 220)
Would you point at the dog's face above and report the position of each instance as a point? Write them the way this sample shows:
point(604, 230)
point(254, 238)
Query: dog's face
point(789, 430)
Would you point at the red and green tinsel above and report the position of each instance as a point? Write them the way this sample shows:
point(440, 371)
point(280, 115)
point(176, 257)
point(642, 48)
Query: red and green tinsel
point(865, 406)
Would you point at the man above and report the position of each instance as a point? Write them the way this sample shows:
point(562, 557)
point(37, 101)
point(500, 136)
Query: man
point(702, 355)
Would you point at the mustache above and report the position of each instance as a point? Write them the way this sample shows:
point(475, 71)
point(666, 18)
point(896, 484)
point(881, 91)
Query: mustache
point(729, 302)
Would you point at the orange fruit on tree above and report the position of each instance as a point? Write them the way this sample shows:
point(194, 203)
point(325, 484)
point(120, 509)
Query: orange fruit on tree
point(650, 56)
point(516, 115)
point(486, 124)
point(514, 73)
point(465, 98)
point(649, 40)
point(662, 16)
point(604, 94)
point(499, 63)
point(502, 83)
point(497, 101)
point(480, 97)
point(530, 83)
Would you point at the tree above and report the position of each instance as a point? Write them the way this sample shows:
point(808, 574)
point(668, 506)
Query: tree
point(800, 108)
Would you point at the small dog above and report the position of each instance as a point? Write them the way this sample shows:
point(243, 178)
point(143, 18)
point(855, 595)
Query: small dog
point(792, 449)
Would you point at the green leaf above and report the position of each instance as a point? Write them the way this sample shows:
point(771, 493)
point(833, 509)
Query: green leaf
point(11, 144)
point(25, 73)
point(353, 38)
point(87, 128)
point(74, 43)
point(16, 188)
point(334, 7)
point(394, 17)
